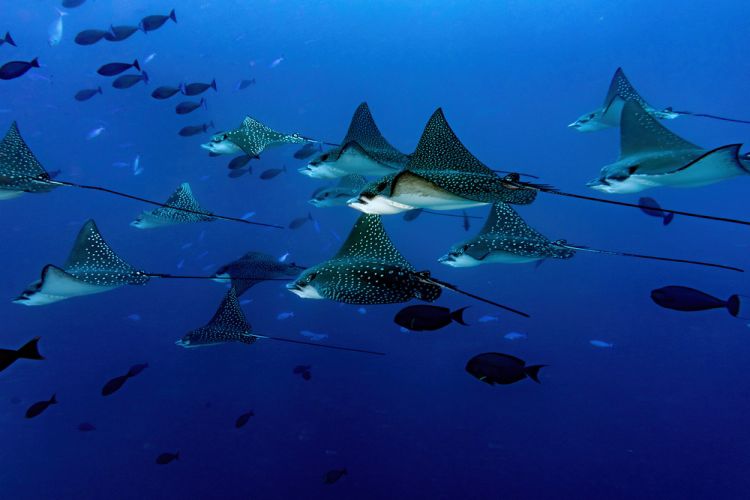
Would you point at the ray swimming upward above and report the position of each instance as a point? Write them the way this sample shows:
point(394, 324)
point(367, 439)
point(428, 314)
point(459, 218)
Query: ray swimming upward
point(230, 325)
point(181, 208)
point(368, 269)
point(507, 239)
point(621, 91)
point(441, 175)
point(21, 172)
point(363, 151)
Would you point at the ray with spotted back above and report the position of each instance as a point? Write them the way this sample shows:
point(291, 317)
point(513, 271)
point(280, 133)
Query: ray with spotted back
point(441, 175)
point(181, 208)
point(252, 138)
point(20, 171)
point(363, 151)
point(260, 266)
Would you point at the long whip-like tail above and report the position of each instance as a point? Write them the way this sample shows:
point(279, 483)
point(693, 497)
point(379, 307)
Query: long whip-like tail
point(326, 346)
point(706, 115)
point(454, 288)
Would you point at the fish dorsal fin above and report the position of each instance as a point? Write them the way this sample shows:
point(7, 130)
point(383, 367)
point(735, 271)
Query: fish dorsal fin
point(253, 137)
point(18, 165)
point(229, 317)
point(368, 240)
point(620, 87)
point(92, 260)
point(642, 133)
point(352, 181)
point(182, 199)
point(440, 149)
point(365, 132)
point(504, 220)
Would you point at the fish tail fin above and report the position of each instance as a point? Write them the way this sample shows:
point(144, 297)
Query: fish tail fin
point(30, 350)
point(173, 16)
point(142, 27)
point(458, 316)
point(61, 12)
point(145, 77)
point(668, 218)
point(213, 84)
point(136, 65)
point(533, 372)
point(736, 306)
point(182, 88)
point(9, 39)
point(53, 399)
point(34, 62)
point(203, 103)
point(99, 89)
point(177, 454)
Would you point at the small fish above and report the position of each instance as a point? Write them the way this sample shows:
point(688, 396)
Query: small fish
point(304, 371)
point(248, 215)
point(166, 458)
point(56, 29)
point(134, 317)
point(307, 151)
point(115, 68)
point(191, 130)
point(38, 407)
point(127, 81)
point(137, 169)
point(93, 134)
point(487, 319)
point(86, 427)
point(284, 315)
point(682, 298)
point(7, 39)
point(515, 336)
point(151, 23)
point(362, 310)
point(149, 58)
point(239, 162)
point(243, 84)
point(192, 89)
point(180, 263)
point(243, 419)
point(186, 107)
point(271, 173)
point(412, 214)
point(284, 257)
point(332, 476)
point(600, 343)
point(116, 383)
point(121, 164)
point(421, 318)
point(69, 4)
point(119, 33)
point(164, 92)
point(466, 221)
point(496, 368)
point(28, 351)
point(89, 37)
point(276, 62)
point(651, 207)
point(313, 336)
point(14, 69)
point(86, 94)
point(300, 221)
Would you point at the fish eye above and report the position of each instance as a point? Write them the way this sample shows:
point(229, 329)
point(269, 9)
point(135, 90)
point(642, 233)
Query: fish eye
point(382, 186)
point(618, 177)
point(324, 157)
point(311, 277)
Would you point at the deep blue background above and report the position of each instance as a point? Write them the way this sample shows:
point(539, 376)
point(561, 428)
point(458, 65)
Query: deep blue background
point(663, 414)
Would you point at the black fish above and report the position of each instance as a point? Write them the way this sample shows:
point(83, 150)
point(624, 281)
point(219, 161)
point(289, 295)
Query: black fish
point(137, 369)
point(243, 419)
point(86, 427)
point(40, 406)
point(412, 214)
point(116, 383)
point(239, 162)
point(195, 129)
point(651, 207)
point(166, 458)
point(86, 94)
point(164, 92)
point(682, 298)
point(307, 151)
point(69, 4)
point(186, 107)
point(14, 69)
point(271, 173)
point(334, 475)
point(9, 40)
point(495, 368)
point(303, 370)
point(54, 173)
point(243, 84)
point(151, 23)
point(239, 172)
point(300, 221)
point(115, 68)
point(28, 351)
point(466, 221)
point(127, 81)
point(90, 37)
point(119, 33)
point(306, 375)
point(197, 88)
point(428, 318)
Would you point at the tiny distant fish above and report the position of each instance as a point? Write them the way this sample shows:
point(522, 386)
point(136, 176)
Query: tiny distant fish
point(300, 221)
point(86, 94)
point(38, 407)
point(137, 169)
point(412, 214)
point(134, 317)
point(56, 29)
point(515, 336)
point(276, 62)
point(127, 81)
point(191, 130)
point(248, 215)
point(164, 92)
point(149, 58)
point(239, 162)
point(208, 267)
point(466, 221)
point(600, 343)
point(115, 68)
point(486, 319)
point(303, 370)
point(651, 207)
point(332, 476)
point(313, 336)
point(7, 39)
point(120, 33)
point(307, 151)
point(243, 84)
point(202, 255)
point(121, 164)
point(362, 310)
point(192, 89)
point(243, 419)
point(151, 23)
point(166, 458)
point(245, 302)
point(86, 427)
point(113, 385)
point(54, 173)
point(284, 257)
point(271, 173)
point(14, 69)
point(70, 4)
point(180, 263)
point(186, 107)
point(89, 37)
point(93, 134)
point(284, 315)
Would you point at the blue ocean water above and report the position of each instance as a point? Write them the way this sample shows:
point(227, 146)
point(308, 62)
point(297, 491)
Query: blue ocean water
point(661, 414)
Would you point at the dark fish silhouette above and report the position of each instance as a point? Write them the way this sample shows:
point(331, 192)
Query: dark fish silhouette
point(127, 81)
point(119, 33)
point(428, 318)
point(28, 351)
point(271, 173)
point(191, 89)
point(300, 221)
point(166, 458)
point(651, 207)
point(86, 94)
point(9, 40)
point(90, 37)
point(496, 368)
point(332, 476)
point(186, 107)
point(86, 427)
point(243, 84)
point(14, 69)
point(69, 4)
point(151, 23)
point(239, 162)
point(115, 68)
point(412, 214)
point(682, 298)
point(307, 150)
point(466, 221)
point(38, 407)
point(164, 92)
point(243, 419)
point(192, 130)
point(304, 371)
point(116, 383)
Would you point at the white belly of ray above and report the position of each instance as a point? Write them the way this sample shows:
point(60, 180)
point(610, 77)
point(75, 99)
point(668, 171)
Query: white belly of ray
point(380, 205)
point(633, 184)
point(9, 195)
point(713, 168)
point(497, 257)
point(59, 285)
point(417, 192)
point(307, 292)
point(352, 162)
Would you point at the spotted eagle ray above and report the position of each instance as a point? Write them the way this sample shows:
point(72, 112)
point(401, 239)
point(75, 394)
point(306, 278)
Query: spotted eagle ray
point(363, 151)
point(181, 208)
point(251, 137)
point(507, 239)
point(338, 195)
point(368, 269)
point(261, 266)
point(230, 325)
point(441, 175)
point(651, 156)
point(621, 91)
point(21, 172)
